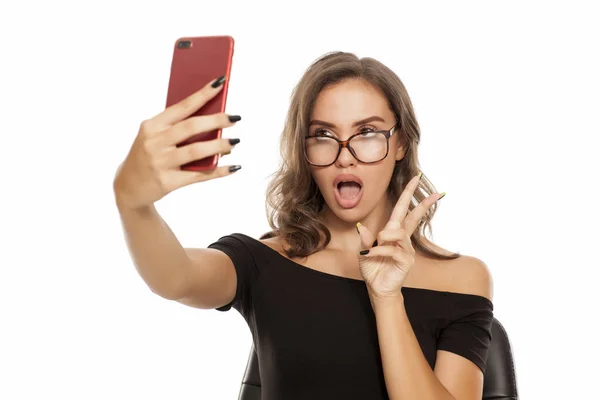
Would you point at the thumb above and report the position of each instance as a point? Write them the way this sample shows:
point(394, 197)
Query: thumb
point(367, 238)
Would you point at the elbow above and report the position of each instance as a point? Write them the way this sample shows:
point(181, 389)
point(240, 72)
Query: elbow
point(171, 291)
point(165, 294)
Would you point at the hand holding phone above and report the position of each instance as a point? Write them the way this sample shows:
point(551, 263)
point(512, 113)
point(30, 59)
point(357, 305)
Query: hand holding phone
point(152, 168)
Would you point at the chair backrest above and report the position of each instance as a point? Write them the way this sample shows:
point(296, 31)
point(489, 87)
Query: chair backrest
point(499, 379)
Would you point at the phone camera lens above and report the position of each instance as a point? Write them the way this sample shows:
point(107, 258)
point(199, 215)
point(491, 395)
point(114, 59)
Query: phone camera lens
point(184, 44)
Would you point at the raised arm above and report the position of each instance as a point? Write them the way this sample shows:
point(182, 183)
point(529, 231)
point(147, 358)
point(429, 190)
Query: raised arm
point(203, 278)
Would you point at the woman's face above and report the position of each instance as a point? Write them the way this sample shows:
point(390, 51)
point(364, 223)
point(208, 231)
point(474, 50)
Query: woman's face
point(352, 189)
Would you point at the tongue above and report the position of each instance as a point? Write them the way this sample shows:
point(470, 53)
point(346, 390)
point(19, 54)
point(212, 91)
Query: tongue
point(349, 190)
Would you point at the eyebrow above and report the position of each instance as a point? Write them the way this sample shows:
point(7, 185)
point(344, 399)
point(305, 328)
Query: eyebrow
point(357, 123)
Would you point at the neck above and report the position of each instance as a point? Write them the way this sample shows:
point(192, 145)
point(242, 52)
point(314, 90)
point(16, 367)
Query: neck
point(344, 236)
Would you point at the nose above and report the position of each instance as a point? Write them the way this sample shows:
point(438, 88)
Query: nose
point(345, 159)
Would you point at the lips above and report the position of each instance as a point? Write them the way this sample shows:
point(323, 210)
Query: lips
point(348, 189)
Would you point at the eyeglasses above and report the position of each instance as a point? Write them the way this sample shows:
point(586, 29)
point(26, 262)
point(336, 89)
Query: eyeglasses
point(367, 146)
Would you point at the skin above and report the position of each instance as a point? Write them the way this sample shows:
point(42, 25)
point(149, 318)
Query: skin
point(343, 105)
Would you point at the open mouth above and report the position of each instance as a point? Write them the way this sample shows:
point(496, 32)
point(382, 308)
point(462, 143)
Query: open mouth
point(348, 190)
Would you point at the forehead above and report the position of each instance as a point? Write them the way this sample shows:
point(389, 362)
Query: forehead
point(350, 100)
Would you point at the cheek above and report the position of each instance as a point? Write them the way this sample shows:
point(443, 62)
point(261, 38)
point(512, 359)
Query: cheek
point(320, 178)
point(379, 178)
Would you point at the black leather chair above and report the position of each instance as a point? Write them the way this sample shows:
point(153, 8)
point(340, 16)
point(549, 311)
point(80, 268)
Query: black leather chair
point(499, 379)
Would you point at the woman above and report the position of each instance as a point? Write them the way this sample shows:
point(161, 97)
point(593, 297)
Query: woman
point(345, 298)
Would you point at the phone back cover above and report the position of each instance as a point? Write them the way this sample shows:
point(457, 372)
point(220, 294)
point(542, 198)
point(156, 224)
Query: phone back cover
point(192, 68)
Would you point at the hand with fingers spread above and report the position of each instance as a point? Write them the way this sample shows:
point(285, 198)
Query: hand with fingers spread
point(151, 169)
point(385, 266)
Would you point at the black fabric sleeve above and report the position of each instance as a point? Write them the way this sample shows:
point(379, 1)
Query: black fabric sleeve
point(237, 248)
point(469, 329)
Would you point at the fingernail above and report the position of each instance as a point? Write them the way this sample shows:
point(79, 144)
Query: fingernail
point(234, 141)
point(420, 175)
point(218, 82)
point(357, 227)
point(362, 253)
point(374, 243)
point(442, 195)
point(234, 118)
point(234, 168)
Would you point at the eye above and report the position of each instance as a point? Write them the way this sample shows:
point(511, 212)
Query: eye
point(322, 133)
point(366, 130)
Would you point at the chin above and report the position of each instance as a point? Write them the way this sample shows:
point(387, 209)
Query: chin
point(350, 216)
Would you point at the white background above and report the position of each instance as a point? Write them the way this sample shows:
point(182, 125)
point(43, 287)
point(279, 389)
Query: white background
point(507, 98)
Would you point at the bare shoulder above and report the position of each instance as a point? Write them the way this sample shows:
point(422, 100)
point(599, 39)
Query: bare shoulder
point(471, 275)
point(465, 274)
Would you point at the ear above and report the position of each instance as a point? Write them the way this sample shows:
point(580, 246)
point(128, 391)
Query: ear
point(401, 145)
point(400, 153)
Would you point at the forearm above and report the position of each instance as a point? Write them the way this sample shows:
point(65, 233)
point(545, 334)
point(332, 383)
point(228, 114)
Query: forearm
point(406, 371)
point(159, 257)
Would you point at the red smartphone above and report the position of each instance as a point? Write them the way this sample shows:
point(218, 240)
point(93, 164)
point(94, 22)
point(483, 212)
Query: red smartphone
point(196, 62)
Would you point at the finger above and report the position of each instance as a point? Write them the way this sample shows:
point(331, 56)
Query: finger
point(190, 104)
point(393, 252)
point(416, 215)
point(397, 237)
point(194, 125)
point(366, 236)
point(401, 207)
point(184, 178)
point(391, 235)
point(198, 150)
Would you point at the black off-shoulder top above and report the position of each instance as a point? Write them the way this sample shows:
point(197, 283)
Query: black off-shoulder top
point(315, 333)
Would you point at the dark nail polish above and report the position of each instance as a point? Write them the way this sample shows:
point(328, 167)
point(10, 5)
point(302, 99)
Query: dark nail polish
point(234, 141)
point(443, 194)
point(218, 82)
point(362, 253)
point(374, 243)
point(234, 168)
point(234, 118)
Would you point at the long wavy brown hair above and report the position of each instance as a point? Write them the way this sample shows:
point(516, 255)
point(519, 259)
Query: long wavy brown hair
point(293, 198)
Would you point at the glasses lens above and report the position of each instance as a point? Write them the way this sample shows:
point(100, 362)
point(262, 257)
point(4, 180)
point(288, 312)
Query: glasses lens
point(321, 150)
point(370, 146)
